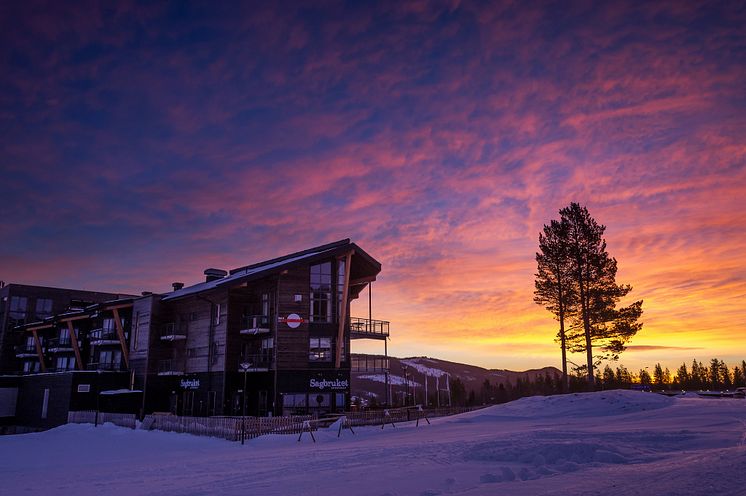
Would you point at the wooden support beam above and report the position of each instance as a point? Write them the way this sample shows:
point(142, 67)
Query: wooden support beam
point(39, 327)
point(76, 317)
point(118, 307)
point(76, 347)
point(37, 342)
point(122, 341)
point(362, 280)
point(343, 311)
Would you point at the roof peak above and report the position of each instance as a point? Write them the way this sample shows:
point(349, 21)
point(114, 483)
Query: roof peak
point(324, 247)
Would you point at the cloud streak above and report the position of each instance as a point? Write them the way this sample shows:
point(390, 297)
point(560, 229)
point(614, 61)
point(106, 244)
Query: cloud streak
point(142, 145)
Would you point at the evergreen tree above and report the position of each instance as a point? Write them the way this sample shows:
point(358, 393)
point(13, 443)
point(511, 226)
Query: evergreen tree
point(658, 375)
point(609, 379)
point(715, 377)
point(554, 288)
point(644, 377)
point(682, 377)
point(596, 321)
point(738, 377)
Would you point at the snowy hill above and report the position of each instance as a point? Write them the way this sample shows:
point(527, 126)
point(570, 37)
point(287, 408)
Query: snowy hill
point(433, 370)
point(615, 443)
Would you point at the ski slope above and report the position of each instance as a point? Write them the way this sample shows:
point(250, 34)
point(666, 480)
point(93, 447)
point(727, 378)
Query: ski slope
point(608, 443)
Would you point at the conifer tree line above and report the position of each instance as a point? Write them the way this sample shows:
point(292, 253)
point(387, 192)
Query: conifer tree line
point(576, 282)
point(698, 376)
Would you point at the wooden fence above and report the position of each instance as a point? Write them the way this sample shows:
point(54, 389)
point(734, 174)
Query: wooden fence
point(233, 428)
point(405, 414)
point(93, 417)
point(230, 428)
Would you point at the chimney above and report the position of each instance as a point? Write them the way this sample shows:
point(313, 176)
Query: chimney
point(177, 285)
point(214, 274)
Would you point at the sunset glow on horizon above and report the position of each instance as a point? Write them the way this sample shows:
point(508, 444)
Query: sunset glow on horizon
point(144, 144)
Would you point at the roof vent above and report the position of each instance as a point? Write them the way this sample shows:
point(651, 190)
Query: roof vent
point(214, 274)
point(177, 285)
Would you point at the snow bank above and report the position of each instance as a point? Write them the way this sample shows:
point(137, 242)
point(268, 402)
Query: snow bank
point(616, 402)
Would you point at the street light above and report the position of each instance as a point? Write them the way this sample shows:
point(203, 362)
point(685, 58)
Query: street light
point(245, 367)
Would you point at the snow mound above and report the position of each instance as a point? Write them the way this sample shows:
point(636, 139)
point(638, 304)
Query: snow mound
point(597, 404)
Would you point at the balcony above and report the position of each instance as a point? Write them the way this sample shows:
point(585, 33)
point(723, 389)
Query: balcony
point(258, 362)
point(60, 345)
point(255, 324)
point(367, 363)
point(361, 328)
point(171, 366)
point(100, 337)
point(26, 351)
point(172, 332)
point(105, 366)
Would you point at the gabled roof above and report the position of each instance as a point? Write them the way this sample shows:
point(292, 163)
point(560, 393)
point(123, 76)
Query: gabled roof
point(258, 270)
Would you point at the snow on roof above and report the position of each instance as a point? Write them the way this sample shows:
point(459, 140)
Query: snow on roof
point(240, 274)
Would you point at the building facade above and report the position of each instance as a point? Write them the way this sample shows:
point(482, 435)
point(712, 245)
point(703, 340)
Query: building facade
point(272, 338)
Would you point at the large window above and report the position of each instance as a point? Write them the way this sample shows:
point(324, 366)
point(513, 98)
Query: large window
point(320, 349)
point(321, 292)
point(65, 363)
point(43, 308)
point(340, 286)
point(17, 310)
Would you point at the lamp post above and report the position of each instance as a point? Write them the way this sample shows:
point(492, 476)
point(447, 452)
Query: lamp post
point(245, 367)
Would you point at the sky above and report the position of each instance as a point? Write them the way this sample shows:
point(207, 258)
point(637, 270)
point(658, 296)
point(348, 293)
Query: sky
point(141, 143)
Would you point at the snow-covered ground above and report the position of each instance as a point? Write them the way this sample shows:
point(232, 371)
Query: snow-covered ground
point(617, 442)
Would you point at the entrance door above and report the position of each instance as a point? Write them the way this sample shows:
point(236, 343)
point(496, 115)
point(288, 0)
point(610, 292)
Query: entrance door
point(173, 404)
point(262, 406)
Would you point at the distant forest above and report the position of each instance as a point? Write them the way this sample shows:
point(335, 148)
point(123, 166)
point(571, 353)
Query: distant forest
point(699, 376)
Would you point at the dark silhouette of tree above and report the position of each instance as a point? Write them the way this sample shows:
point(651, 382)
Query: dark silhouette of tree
point(576, 279)
point(554, 288)
point(658, 375)
point(644, 377)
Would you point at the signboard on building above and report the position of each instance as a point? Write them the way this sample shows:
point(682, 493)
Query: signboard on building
point(328, 385)
point(189, 383)
point(293, 320)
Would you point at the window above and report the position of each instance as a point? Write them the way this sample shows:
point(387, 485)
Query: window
point(343, 351)
point(43, 308)
point(320, 349)
point(265, 304)
point(17, 310)
point(340, 286)
point(321, 292)
point(109, 359)
point(109, 326)
point(65, 363)
point(30, 366)
point(217, 314)
point(297, 400)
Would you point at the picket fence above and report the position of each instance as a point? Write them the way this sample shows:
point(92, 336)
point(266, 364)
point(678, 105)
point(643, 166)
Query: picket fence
point(233, 428)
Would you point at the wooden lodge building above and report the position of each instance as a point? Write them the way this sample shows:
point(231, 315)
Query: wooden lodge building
point(275, 335)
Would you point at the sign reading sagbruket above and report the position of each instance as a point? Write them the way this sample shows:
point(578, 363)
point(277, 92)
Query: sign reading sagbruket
point(323, 384)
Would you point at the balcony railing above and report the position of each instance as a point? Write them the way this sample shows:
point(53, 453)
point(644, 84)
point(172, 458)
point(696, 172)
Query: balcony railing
point(59, 344)
point(255, 324)
point(104, 336)
point(173, 332)
point(171, 366)
point(361, 328)
point(255, 362)
point(369, 364)
point(25, 349)
point(105, 366)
